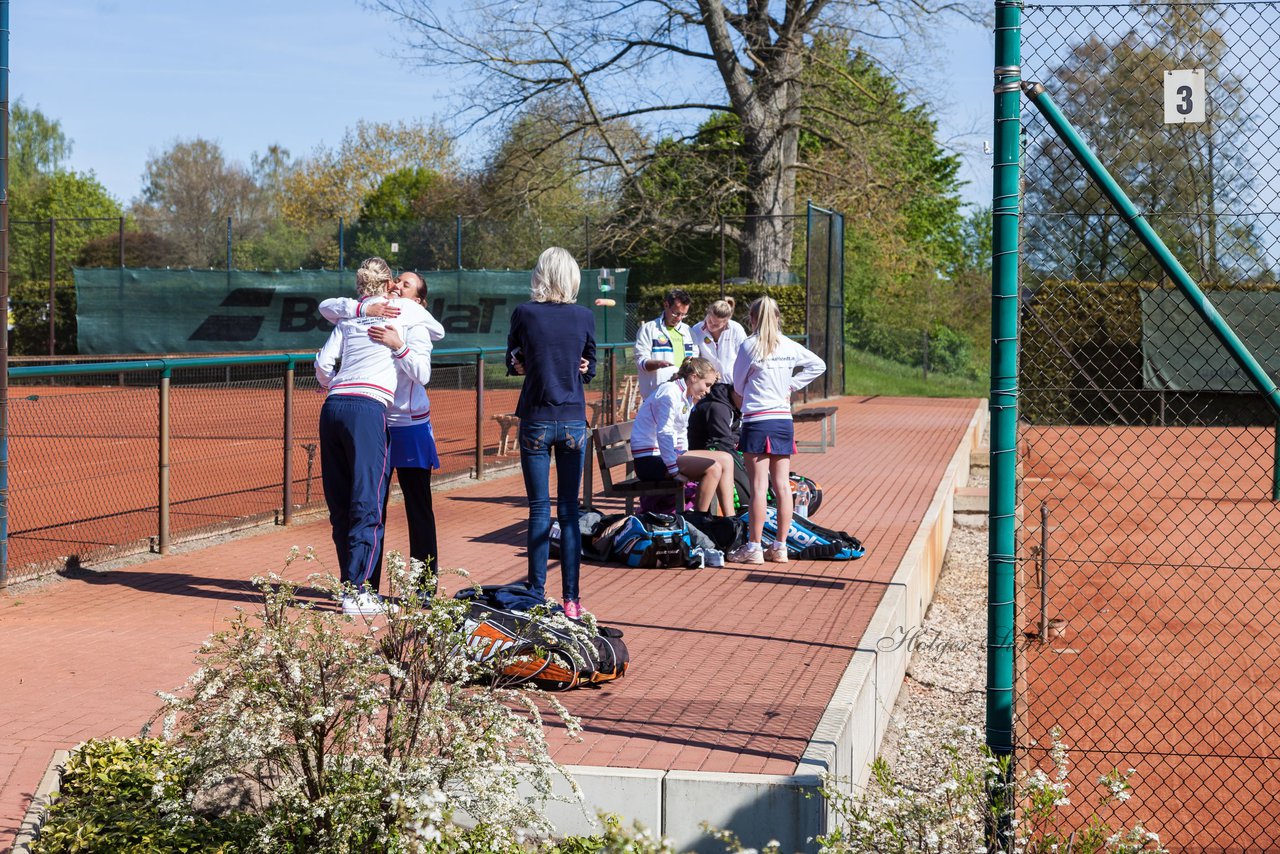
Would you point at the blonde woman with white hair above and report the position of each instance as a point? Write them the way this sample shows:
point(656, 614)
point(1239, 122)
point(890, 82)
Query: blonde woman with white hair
point(769, 369)
point(552, 343)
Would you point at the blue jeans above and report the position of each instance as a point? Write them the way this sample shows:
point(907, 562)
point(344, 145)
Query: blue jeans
point(569, 440)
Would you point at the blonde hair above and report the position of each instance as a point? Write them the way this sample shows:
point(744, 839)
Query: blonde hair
point(556, 277)
point(695, 366)
point(373, 277)
point(765, 326)
point(722, 308)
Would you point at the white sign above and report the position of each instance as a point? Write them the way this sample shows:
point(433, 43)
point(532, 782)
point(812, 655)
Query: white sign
point(395, 247)
point(1184, 96)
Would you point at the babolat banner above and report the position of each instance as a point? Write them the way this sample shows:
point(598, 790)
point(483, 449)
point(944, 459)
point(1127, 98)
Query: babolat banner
point(124, 310)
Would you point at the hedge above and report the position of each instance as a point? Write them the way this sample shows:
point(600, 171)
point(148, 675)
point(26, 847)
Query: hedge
point(1081, 360)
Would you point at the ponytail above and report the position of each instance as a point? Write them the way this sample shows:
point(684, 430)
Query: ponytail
point(765, 325)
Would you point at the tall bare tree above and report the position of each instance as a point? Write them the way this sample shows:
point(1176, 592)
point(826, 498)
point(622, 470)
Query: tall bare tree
point(190, 191)
point(660, 64)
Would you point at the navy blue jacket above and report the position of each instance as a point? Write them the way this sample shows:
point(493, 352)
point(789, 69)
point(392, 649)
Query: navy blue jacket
point(551, 339)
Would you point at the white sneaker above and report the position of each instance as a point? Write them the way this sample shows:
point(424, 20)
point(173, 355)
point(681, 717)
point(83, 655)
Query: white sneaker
point(366, 605)
point(746, 554)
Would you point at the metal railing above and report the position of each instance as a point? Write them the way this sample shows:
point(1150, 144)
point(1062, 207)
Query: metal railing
point(125, 455)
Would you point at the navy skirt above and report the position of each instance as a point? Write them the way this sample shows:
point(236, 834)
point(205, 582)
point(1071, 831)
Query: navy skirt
point(775, 436)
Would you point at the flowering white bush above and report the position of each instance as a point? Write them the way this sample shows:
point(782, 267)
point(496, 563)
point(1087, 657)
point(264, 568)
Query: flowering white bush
point(955, 812)
point(364, 733)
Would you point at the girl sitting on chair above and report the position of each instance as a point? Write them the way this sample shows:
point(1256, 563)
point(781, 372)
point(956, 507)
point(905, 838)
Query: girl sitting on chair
point(660, 438)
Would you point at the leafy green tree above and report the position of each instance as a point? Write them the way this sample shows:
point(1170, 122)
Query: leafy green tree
point(530, 194)
point(397, 214)
point(72, 200)
point(278, 243)
point(1194, 182)
point(875, 157)
point(334, 182)
point(80, 210)
point(666, 225)
point(37, 145)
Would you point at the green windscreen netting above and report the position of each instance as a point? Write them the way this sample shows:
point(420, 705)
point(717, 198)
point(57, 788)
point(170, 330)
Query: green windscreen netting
point(124, 310)
point(1180, 353)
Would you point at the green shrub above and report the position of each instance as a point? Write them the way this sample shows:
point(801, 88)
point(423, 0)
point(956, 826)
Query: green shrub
point(950, 351)
point(29, 303)
point(126, 795)
point(321, 733)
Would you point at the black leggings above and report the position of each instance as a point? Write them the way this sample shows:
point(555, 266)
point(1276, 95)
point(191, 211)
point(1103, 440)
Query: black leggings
point(415, 485)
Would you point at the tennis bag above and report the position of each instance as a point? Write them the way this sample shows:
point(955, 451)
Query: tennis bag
point(651, 540)
point(807, 541)
point(535, 651)
point(725, 533)
point(596, 531)
point(806, 493)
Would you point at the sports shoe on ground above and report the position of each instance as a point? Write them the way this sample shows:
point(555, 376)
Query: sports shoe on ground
point(777, 554)
point(745, 554)
point(573, 609)
point(365, 605)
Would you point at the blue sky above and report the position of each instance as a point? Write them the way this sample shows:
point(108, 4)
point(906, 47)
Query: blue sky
point(128, 77)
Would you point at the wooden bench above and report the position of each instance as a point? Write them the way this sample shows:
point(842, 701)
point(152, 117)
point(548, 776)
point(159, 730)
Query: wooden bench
point(825, 416)
point(612, 452)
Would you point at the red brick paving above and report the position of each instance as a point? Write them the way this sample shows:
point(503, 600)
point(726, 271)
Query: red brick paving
point(732, 667)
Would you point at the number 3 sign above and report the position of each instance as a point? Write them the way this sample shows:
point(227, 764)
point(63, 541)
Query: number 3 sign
point(1184, 96)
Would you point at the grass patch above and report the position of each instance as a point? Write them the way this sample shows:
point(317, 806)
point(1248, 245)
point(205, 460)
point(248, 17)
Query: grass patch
point(865, 374)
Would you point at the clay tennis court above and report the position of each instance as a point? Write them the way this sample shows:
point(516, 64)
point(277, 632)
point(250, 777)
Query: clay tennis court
point(84, 461)
point(1163, 561)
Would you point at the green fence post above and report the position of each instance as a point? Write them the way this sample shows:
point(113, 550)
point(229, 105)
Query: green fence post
point(1003, 405)
point(480, 415)
point(53, 282)
point(1275, 465)
point(4, 293)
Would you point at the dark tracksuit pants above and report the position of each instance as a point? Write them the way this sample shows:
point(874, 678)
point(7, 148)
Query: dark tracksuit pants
point(354, 471)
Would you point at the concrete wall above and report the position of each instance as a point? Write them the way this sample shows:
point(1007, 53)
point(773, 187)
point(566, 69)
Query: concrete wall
point(760, 808)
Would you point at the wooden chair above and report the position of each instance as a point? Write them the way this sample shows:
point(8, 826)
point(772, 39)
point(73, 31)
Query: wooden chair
point(613, 453)
point(506, 423)
point(626, 404)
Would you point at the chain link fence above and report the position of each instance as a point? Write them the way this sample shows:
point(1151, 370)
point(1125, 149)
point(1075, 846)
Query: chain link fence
point(1149, 540)
point(45, 251)
point(89, 454)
